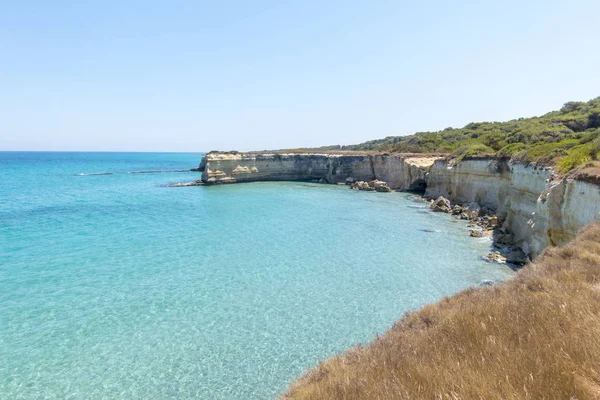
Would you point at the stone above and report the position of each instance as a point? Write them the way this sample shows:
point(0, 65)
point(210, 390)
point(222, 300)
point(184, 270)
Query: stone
point(476, 233)
point(362, 185)
point(380, 186)
point(503, 238)
point(495, 256)
point(457, 210)
point(516, 256)
point(441, 205)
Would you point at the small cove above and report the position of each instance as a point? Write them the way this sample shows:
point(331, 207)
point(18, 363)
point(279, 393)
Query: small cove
point(115, 285)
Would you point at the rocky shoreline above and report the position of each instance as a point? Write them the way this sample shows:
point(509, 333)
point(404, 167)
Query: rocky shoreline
point(483, 223)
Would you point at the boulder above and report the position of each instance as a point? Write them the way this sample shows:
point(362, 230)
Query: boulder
point(361, 185)
point(441, 205)
point(457, 210)
point(380, 186)
point(495, 256)
point(477, 233)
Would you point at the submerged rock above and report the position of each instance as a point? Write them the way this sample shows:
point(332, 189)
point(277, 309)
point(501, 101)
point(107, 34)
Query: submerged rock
point(184, 184)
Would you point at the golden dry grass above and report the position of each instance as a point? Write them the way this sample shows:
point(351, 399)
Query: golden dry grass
point(535, 337)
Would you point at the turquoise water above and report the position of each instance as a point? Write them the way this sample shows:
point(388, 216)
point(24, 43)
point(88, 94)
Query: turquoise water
point(115, 286)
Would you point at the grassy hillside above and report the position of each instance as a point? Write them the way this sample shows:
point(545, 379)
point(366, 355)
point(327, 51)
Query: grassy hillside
point(568, 137)
point(535, 337)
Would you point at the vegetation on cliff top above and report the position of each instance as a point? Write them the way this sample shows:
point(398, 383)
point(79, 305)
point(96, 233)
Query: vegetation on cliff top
point(568, 138)
point(534, 337)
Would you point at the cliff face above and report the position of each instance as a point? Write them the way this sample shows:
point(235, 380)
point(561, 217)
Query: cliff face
point(538, 212)
point(398, 171)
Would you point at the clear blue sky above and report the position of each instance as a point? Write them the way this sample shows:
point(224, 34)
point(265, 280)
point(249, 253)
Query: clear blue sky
point(194, 76)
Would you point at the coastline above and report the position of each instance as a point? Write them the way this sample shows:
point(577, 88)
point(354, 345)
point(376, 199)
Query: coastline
point(535, 208)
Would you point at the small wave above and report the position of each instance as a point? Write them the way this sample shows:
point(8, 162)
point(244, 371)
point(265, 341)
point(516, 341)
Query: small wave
point(95, 173)
point(159, 171)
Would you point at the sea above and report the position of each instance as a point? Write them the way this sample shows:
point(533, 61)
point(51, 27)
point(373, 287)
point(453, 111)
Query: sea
point(115, 286)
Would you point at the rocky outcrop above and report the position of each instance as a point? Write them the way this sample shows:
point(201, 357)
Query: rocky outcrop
point(374, 185)
point(441, 205)
point(398, 171)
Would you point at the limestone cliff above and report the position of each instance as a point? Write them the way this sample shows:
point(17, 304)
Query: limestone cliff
point(538, 211)
point(400, 172)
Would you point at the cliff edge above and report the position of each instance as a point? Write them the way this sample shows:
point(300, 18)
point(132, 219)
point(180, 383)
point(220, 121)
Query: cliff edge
point(403, 172)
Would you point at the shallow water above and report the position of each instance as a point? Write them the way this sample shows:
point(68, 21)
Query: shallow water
point(115, 286)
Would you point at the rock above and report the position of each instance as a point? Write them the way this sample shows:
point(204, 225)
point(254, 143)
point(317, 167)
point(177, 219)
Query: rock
point(185, 184)
point(503, 238)
point(476, 233)
point(464, 215)
point(495, 256)
point(516, 256)
point(441, 205)
point(473, 215)
point(361, 185)
point(350, 180)
point(457, 210)
point(380, 186)
point(486, 282)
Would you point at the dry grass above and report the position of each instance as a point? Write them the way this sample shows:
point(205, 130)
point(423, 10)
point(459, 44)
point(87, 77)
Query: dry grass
point(535, 337)
point(589, 172)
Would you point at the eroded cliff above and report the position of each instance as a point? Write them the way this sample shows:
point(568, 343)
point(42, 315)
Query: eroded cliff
point(399, 171)
point(538, 210)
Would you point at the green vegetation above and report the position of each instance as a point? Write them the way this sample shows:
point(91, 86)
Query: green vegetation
point(568, 137)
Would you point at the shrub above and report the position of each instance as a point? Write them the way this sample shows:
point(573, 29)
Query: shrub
point(510, 149)
point(477, 149)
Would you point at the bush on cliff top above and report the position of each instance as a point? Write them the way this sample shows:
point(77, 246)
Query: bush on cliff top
point(545, 139)
point(534, 337)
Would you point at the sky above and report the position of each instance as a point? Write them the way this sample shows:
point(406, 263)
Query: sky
point(251, 75)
